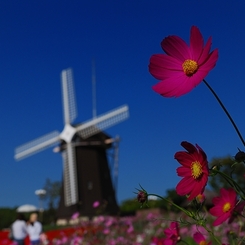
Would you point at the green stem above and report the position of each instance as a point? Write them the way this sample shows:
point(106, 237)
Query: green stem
point(172, 203)
point(184, 242)
point(212, 234)
point(226, 112)
point(233, 183)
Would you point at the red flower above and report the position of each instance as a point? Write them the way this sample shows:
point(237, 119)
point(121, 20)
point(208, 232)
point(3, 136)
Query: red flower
point(182, 68)
point(194, 170)
point(172, 234)
point(200, 239)
point(225, 206)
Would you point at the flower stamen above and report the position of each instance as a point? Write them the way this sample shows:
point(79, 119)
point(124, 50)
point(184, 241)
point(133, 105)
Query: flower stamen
point(203, 243)
point(226, 207)
point(190, 67)
point(196, 169)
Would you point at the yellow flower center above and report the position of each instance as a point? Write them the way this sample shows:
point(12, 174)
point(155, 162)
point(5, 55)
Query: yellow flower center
point(190, 67)
point(196, 169)
point(226, 207)
point(203, 243)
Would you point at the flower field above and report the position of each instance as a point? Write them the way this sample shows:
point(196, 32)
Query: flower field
point(146, 229)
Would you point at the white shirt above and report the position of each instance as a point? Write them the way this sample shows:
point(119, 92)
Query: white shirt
point(19, 229)
point(34, 230)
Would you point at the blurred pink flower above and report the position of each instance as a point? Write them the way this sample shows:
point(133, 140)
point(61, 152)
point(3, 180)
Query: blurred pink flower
point(75, 215)
point(200, 198)
point(106, 231)
point(172, 234)
point(200, 239)
point(225, 206)
point(182, 68)
point(96, 204)
point(130, 229)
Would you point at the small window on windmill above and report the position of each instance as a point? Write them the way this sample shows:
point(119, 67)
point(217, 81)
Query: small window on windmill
point(90, 185)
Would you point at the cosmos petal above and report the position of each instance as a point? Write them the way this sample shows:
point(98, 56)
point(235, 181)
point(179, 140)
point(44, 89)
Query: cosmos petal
point(182, 171)
point(176, 47)
point(186, 87)
point(197, 189)
point(185, 186)
point(205, 52)
point(184, 158)
point(168, 85)
point(216, 211)
point(165, 61)
point(211, 61)
point(188, 146)
point(221, 219)
point(196, 43)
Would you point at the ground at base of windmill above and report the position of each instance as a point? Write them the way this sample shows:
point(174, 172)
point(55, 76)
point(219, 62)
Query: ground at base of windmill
point(145, 228)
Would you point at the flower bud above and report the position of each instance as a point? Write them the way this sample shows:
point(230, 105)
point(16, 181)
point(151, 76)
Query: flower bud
point(240, 156)
point(142, 197)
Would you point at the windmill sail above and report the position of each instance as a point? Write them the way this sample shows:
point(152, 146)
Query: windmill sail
point(70, 175)
point(37, 145)
point(69, 103)
point(102, 122)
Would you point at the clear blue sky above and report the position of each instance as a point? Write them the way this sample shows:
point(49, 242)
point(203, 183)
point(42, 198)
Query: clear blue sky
point(40, 38)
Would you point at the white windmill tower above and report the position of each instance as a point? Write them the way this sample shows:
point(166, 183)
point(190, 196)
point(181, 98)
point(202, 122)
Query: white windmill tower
point(84, 130)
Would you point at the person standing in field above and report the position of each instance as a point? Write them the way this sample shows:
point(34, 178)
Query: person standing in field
point(34, 229)
point(19, 229)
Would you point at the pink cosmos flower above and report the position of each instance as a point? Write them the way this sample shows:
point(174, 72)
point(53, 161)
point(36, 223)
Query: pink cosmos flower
point(194, 170)
point(96, 204)
point(75, 215)
point(172, 234)
point(183, 67)
point(200, 239)
point(225, 206)
point(200, 198)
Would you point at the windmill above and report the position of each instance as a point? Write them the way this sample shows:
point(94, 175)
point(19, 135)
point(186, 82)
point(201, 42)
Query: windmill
point(72, 139)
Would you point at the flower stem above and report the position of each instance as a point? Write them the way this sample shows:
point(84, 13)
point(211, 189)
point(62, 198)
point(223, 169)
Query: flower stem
point(212, 235)
point(232, 183)
point(175, 205)
point(226, 112)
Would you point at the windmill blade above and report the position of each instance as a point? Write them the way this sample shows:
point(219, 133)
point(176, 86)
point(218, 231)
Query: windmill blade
point(102, 122)
point(70, 175)
point(69, 103)
point(36, 145)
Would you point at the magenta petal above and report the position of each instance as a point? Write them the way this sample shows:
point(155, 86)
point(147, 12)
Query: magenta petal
point(205, 52)
point(161, 73)
point(217, 201)
point(198, 77)
point(221, 219)
point(216, 211)
point(185, 186)
point(198, 237)
point(225, 194)
point(197, 189)
point(196, 43)
point(176, 47)
point(183, 172)
point(203, 154)
point(168, 241)
point(211, 61)
point(186, 87)
point(188, 146)
point(166, 62)
point(184, 158)
point(168, 85)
